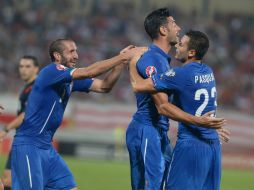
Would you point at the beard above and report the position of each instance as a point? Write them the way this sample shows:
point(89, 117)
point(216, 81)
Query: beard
point(64, 61)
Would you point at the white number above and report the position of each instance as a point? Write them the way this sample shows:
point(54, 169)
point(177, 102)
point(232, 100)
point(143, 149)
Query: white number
point(204, 92)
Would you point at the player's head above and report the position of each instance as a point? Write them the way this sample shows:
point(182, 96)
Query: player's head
point(28, 68)
point(192, 46)
point(160, 23)
point(64, 51)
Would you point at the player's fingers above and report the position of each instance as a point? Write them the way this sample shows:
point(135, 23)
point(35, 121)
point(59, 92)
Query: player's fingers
point(210, 113)
point(127, 48)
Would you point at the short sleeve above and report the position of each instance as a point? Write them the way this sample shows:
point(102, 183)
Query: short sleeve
point(56, 74)
point(82, 85)
point(172, 80)
point(148, 66)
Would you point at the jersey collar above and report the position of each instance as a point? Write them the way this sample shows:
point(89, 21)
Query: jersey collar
point(155, 48)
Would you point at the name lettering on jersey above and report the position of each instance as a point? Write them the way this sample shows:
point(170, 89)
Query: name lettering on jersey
point(204, 78)
point(60, 67)
point(170, 73)
point(150, 70)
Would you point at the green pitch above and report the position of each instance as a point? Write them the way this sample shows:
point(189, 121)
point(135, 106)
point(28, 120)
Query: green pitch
point(111, 175)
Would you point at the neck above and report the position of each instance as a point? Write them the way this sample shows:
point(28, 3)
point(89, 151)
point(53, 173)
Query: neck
point(162, 44)
point(31, 79)
point(191, 60)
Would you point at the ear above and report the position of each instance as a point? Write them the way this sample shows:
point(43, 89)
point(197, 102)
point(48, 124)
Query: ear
point(57, 56)
point(163, 31)
point(191, 53)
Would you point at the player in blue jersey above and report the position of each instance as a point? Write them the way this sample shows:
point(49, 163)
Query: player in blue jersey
point(35, 163)
point(146, 136)
point(28, 69)
point(196, 160)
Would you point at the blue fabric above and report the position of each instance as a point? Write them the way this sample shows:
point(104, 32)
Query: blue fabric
point(46, 105)
point(147, 161)
point(153, 61)
point(44, 113)
point(148, 124)
point(194, 91)
point(39, 169)
point(196, 165)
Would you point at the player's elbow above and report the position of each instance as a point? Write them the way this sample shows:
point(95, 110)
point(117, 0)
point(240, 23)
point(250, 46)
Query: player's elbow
point(162, 109)
point(135, 88)
point(106, 89)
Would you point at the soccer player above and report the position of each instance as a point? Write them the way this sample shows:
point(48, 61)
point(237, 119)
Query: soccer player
point(35, 163)
point(196, 160)
point(28, 69)
point(146, 136)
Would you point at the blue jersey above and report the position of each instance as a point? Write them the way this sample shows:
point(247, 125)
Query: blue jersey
point(193, 86)
point(46, 104)
point(153, 61)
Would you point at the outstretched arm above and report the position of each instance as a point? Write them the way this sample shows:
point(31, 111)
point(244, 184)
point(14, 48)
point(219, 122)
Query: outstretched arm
point(14, 124)
point(101, 67)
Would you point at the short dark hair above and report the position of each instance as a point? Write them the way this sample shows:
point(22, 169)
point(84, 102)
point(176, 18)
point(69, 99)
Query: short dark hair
point(57, 46)
point(155, 20)
point(198, 42)
point(33, 58)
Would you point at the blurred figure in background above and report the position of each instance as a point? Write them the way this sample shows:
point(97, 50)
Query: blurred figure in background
point(28, 69)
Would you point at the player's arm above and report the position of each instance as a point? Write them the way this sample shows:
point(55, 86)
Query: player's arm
point(101, 67)
point(105, 85)
point(137, 82)
point(14, 124)
point(173, 112)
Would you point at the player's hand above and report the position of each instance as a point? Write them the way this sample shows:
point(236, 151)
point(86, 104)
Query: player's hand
point(224, 134)
point(127, 48)
point(2, 135)
point(137, 55)
point(209, 121)
point(136, 52)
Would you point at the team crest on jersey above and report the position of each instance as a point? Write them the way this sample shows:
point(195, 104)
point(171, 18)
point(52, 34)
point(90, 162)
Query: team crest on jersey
point(150, 70)
point(60, 67)
point(170, 73)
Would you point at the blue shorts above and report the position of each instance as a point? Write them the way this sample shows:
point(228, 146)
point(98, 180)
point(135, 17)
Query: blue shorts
point(149, 153)
point(195, 165)
point(39, 169)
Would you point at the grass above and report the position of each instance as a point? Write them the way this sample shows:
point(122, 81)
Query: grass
point(112, 175)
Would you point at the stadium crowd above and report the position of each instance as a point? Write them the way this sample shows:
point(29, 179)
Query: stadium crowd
point(27, 27)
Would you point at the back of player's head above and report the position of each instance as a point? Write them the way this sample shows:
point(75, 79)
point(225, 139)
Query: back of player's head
point(57, 46)
point(198, 42)
point(155, 20)
point(33, 58)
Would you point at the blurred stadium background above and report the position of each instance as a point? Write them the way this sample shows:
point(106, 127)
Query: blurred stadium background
point(93, 131)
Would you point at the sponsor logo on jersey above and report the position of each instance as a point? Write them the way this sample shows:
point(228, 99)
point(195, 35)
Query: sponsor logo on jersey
point(60, 67)
point(170, 73)
point(150, 70)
